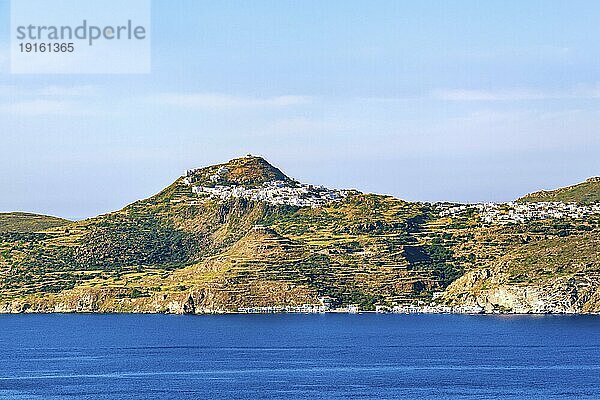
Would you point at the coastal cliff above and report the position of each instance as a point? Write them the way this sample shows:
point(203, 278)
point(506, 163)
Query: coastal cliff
point(491, 292)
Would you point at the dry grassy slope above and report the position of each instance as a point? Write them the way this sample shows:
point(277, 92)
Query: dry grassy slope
point(166, 232)
point(585, 193)
point(29, 223)
point(352, 251)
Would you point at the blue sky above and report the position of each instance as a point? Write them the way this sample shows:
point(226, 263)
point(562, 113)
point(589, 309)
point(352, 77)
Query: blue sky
point(428, 100)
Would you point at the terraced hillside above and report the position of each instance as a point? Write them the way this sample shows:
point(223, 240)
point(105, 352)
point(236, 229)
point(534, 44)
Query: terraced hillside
point(182, 251)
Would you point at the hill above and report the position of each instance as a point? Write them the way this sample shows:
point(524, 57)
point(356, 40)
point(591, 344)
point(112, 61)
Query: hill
point(249, 171)
point(587, 192)
point(28, 223)
point(243, 235)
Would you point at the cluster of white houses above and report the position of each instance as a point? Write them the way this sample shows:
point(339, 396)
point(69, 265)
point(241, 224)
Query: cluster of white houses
point(325, 305)
point(303, 309)
point(354, 309)
point(430, 309)
point(276, 192)
point(514, 213)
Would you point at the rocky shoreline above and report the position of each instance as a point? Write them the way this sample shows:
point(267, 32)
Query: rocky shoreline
point(505, 301)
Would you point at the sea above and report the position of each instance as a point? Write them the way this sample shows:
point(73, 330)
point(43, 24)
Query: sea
point(284, 356)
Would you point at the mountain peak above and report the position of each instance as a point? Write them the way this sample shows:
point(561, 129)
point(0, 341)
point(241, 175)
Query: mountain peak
point(253, 178)
point(245, 171)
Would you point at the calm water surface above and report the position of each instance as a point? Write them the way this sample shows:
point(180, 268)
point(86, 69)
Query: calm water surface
point(299, 357)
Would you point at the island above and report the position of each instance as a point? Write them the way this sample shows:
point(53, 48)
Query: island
point(243, 237)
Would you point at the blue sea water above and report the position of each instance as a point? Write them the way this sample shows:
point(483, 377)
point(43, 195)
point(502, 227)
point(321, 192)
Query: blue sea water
point(328, 356)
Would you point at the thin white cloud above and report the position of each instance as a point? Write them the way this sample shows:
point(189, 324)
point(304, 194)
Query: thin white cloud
point(495, 131)
point(47, 100)
point(225, 101)
point(518, 94)
point(503, 53)
point(37, 108)
point(296, 125)
point(54, 91)
point(68, 91)
point(484, 95)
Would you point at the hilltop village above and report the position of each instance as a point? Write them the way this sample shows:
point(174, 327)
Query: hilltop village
point(276, 192)
point(282, 192)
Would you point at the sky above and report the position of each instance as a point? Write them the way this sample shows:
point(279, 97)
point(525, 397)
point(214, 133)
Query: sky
point(463, 101)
